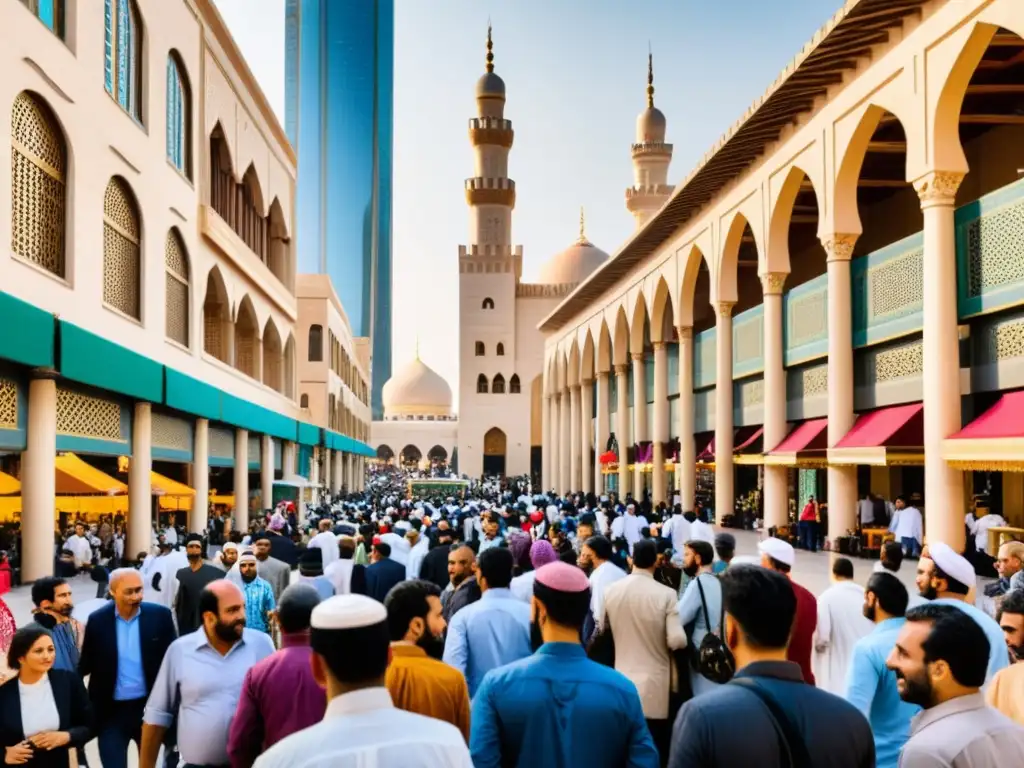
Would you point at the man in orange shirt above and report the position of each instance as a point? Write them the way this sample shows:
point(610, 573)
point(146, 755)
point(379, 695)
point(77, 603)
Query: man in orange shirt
point(416, 679)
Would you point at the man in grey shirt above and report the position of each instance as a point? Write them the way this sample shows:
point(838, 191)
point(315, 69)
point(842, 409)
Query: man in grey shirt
point(940, 660)
point(200, 680)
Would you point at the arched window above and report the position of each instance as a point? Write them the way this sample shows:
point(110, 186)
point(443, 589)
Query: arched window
point(479, 349)
point(50, 12)
point(248, 352)
point(122, 236)
point(176, 292)
point(500, 350)
point(499, 385)
point(316, 343)
point(179, 114)
point(304, 401)
point(122, 66)
point(481, 384)
point(488, 303)
point(38, 176)
point(513, 384)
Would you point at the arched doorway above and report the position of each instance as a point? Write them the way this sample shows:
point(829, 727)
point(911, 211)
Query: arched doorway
point(494, 452)
point(437, 455)
point(385, 454)
point(411, 456)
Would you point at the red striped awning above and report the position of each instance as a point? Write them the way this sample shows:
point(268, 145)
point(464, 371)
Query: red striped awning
point(994, 441)
point(893, 435)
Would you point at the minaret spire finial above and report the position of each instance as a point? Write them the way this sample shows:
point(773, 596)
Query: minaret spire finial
point(490, 48)
point(650, 76)
point(417, 346)
point(583, 234)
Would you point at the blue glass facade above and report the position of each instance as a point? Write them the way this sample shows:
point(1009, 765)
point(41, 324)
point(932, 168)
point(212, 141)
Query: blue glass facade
point(338, 114)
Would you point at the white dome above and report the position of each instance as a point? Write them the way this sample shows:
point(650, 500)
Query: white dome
point(574, 264)
point(650, 126)
point(490, 86)
point(417, 390)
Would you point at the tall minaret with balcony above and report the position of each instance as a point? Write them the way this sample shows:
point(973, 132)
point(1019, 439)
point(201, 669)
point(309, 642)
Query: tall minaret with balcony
point(651, 158)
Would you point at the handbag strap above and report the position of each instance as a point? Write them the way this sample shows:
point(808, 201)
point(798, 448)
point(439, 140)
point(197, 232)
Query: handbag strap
point(792, 748)
point(704, 603)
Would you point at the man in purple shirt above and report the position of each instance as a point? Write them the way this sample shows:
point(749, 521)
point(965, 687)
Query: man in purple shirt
point(279, 694)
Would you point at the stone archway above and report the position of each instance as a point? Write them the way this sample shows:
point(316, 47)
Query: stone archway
point(437, 455)
point(495, 445)
point(411, 456)
point(385, 454)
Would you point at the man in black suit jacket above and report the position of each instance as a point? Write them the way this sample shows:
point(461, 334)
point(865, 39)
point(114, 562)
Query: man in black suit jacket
point(133, 636)
point(435, 562)
point(383, 572)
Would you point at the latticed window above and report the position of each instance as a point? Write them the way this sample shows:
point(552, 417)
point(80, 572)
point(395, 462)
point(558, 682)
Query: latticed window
point(50, 12)
point(121, 251)
point(222, 180)
point(332, 416)
point(246, 343)
point(215, 320)
point(499, 385)
point(513, 384)
point(176, 308)
point(178, 117)
point(122, 68)
point(272, 358)
point(481, 384)
point(249, 225)
point(38, 192)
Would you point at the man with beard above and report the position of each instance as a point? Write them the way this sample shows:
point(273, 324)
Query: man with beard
point(557, 706)
point(462, 589)
point(946, 578)
point(53, 606)
point(700, 608)
point(870, 685)
point(1005, 692)
point(227, 556)
point(939, 661)
point(259, 597)
point(275, 572)
point(191, 582)
point(417, 680)
point(201, 679)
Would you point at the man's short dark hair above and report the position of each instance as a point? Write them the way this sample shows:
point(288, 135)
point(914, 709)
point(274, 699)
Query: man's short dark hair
point(495, 565)
point(892, 555)
point(588, 518)
point(890, 593)
point(1011, 602)
point(208, 603)
point(762, 602)
point(382, 548)
point(645, 554)
point(952, 585)
point(406, 601)
point(842, 568)
point(601, 547)
point(296, 606)
point(566, 608)
point(45, 590)
point(779, 566)
point(702, 549)
point(260, 536)
point(353, 656)
point(956, 639)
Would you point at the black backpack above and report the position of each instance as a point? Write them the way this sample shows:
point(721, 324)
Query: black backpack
point(713, 658)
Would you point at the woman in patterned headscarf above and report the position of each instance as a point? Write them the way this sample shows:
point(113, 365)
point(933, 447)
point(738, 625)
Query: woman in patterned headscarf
point(7, 629)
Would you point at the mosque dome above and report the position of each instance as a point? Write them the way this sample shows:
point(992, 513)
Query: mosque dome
point(416, 390)
point(575, 263)
point(650, 126)
point(490, 86)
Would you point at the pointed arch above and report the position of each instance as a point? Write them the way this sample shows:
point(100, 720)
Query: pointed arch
point(385, 453)
point(479, 349)
point(438, 454)
point(279, 248)
point(222, 176)
point(316, 343)
point(177, 288)
point(273, 357)
point(777, 257)
point(513, 384)
point(620, 345)
point(482, 385)
point(727, 276)
point(124, 55)
point(603, 363)
point(122, 249)
point(411, 455)
point(695, 261)
point(499, 350)
point(587, 370)
point(638, 327)
point(572, 375)
point(179, 115)
point(247, 339)
point(216, 317)
point(498, 384)
point(289, 368)
point(662, 314)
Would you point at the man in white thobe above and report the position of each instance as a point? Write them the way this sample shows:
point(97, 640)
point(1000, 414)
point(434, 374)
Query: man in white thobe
point(908, 527)
point(326, 542)
point(841, 624)
point(159, 575)
point(597, 553)
point(677, 530)
point(78, 544)
point(630, 526)
point(419, 545)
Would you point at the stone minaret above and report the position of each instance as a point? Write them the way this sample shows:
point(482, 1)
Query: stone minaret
point(651, 158)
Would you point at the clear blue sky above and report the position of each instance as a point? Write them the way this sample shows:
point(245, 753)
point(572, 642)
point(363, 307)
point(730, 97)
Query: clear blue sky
point(575, 72)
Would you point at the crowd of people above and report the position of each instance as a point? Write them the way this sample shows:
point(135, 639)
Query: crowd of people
point(507, 628)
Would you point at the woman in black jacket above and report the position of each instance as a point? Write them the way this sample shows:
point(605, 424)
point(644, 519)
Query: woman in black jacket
point(44, 712)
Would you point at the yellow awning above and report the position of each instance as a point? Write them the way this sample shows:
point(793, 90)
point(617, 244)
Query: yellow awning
point(75, 477)
point(9, 485)
point(165, 486)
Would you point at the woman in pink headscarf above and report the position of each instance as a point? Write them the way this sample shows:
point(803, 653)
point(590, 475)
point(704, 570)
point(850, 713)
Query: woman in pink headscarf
point(7, 629)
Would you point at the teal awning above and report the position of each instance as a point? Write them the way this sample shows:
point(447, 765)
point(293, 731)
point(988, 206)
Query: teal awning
point(92, 360)
point(28, 333)
point(308, 434)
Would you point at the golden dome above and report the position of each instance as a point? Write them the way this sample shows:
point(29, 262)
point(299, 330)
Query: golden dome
point(575, 263)
point(416, 390)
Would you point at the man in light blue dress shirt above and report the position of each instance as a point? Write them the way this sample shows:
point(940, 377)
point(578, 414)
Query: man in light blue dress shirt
point(493, 631)
point(870, 685)
point(201, 679)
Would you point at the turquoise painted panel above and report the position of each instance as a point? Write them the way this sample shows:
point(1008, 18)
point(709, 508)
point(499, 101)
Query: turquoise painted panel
point(704, 345)
point(255, 418)
point(93, 360)
point(77, 444)
point(308, 434)
point(192, 396)
point(888, 291)
point(990, 251)
point(805, 321)
point(748, 342)
point(172, 454)
point(221, 461)
point(32, 343)
point(305, 456)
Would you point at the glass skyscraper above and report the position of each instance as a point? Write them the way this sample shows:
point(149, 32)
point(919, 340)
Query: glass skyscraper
point(339, 69)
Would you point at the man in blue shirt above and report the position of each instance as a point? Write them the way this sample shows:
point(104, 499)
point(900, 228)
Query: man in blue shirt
point(557, 707)
point(493, 631)
point(53, 606)
point(870, 685)
point(259, 595)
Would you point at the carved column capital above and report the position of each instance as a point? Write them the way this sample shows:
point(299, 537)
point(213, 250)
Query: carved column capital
point(938, 188)
point(636, 356)
point(574, 389)
point(602, 375)
point(658, 345)
point(838, 246)
point(772, 283)
point(586, 381)
point(621, 369)
point(685, 332)
point(724, 308)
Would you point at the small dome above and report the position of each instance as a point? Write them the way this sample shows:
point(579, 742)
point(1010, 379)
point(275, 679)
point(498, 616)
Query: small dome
point(650, 126)
point(573, 265)
point(490, 86)
point(417, 390)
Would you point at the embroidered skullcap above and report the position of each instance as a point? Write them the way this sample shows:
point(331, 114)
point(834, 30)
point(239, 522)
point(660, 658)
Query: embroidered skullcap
point(542, 553)
point(561, 577)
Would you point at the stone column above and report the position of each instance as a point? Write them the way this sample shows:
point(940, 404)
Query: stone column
point(776, 486)
point(545, 442)
point(586, 422)
point(288, 458)
point(555, 481)
point(340, 462)
point(842, 481)
point(140, 483)
point(639, 415)
point(574, 437)
point(943, 485)
point(564, 450)
point(622, 426)
point(603, 428)
point(687, 453)
point(328, 469)
point(241, 522)
point(660, 489)
point(38, 478)
point(724, 472)
point(199, 518)
point(266, 472)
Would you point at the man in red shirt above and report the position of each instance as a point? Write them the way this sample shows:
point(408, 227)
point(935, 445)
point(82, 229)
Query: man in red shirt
point(778, 555)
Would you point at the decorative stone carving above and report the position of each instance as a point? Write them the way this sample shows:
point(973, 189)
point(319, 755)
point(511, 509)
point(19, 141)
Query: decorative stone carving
point(772, 283)
point(938, 188)
point(636, 356)
point(838, 247)
point(685, 332)
point(658, 345)
point(993, 250)
point(724, 308)
point(621, 369)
